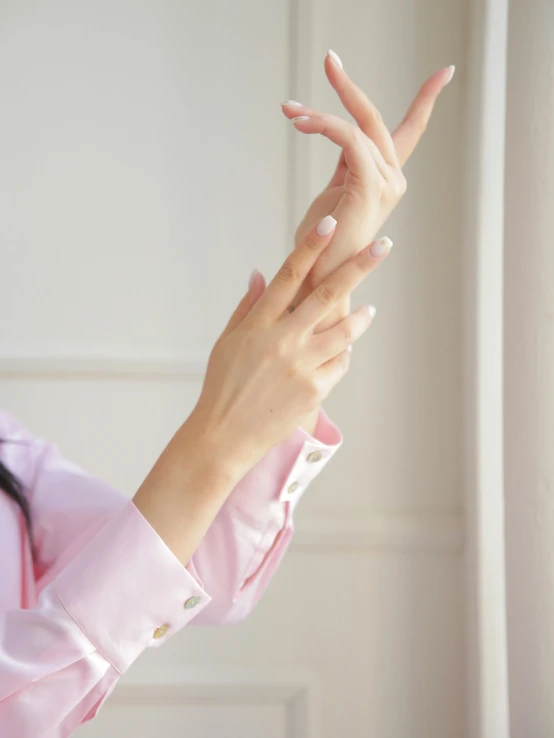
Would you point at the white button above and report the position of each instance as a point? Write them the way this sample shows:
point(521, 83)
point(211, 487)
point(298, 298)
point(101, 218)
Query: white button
point(293, 487)
point(315, 456)
point(161, 631)
point(191, 602)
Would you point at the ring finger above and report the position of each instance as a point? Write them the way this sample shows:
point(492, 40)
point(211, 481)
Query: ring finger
point(339, 284)
point(333, 341)
point(360, 151)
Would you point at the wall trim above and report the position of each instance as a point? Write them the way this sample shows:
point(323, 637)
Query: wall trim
point(298, 691)
point(31, 366)
point(487, 673)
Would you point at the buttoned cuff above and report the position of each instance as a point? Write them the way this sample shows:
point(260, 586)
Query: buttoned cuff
point(314, 453)
point(126, 589)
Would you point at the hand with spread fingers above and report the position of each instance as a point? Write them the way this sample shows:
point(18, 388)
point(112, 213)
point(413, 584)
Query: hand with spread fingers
point(368, 181)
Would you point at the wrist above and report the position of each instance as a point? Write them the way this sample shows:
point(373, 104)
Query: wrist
point(309, 423)
point(210, 450)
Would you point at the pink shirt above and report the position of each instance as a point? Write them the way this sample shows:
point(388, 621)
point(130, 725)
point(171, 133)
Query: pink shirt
point(105, 586)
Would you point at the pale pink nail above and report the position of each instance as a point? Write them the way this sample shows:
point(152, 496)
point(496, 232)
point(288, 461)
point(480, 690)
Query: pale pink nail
point(370, 309)
point(335, 57)
point(325, 225)
point(452, 70)
point(381, 247)
point(292, 102)
point(349, 347)
point(300, 117)
point(252, 278)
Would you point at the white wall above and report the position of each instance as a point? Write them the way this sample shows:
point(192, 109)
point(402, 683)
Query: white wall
point(146, 170)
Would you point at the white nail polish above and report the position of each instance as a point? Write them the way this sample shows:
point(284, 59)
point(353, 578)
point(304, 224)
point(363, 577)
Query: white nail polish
point(292, 102)
point(335, 57)
point(252, 277)
point(369, 309)
point(381, 247)
point(452, 70)
point(325, 225)
point(300, 117)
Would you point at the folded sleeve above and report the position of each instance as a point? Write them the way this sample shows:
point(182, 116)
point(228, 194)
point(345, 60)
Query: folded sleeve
point(121, 593)
point(242, 550)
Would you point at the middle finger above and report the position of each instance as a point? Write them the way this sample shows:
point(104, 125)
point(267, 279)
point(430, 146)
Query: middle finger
point(336, 287)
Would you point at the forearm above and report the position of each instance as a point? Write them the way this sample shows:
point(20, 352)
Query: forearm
point(185, 490)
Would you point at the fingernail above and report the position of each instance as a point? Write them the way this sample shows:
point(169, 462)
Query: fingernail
point(370, 309)
point(335, 57)
point(292, 102)
point(300, 117)
point(381, 247)
point(349, 347)
point(252, 278)
point(325, 225)
point(452, 68)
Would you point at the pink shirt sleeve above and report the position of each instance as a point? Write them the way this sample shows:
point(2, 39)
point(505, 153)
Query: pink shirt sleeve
point(108, 585)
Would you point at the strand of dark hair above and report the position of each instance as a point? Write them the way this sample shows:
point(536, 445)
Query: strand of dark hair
point(13, 487)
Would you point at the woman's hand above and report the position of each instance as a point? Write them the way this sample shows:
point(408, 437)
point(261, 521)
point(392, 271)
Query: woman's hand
point(368, 181)
point(268, 369)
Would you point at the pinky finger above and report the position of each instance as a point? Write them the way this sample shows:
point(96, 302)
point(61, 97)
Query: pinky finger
point(406, 137)
point(330, 373)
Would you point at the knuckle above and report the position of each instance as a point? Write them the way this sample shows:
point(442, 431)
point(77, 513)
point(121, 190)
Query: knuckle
point(278, 349)
point(312, 391)
point(348, 333)
point(357, 136)
point(359, 199)
point(363, 260)
point(282, 349)
point(401, 185)
point(312, 280)
point(376, 114)
point(420, 126)
point(288, 273)
point(326, 293)
point(313, 242)
point(345, 361)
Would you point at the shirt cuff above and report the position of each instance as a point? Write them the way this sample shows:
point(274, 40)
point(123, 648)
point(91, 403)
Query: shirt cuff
point(126, 589)
point(314, 452)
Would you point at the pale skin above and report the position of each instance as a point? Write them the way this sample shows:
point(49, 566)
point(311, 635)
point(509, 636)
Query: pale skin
point(368, 181)
point(271, 368)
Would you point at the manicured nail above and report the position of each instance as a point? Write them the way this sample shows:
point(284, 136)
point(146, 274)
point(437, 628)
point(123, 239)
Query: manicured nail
point(370, 309)
point(252, 278)
point(300, 117)
point(335, 57)
point(349, 347)
point(325, 225)
point(381, 247)
point(292, 102)
point(452, 70)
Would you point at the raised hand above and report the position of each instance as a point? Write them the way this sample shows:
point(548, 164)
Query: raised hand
point(368, 181)
point(269, 369)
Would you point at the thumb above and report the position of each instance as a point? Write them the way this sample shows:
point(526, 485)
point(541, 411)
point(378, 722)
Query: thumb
point(256, 288)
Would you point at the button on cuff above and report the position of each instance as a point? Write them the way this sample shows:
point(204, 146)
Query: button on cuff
point(126, 589)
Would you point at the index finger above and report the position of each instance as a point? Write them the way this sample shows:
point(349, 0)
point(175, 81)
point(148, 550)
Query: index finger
point(406, 137)
point(360, 107)
point(284, 286)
